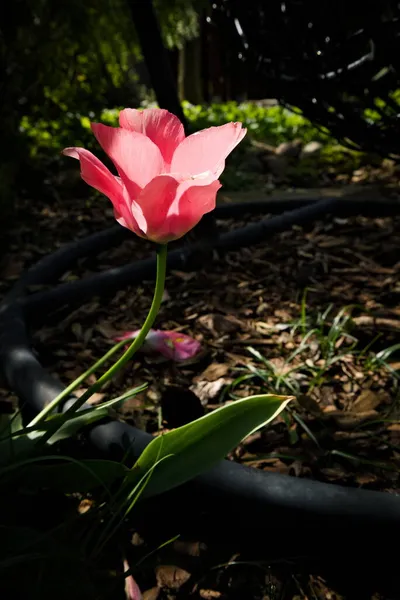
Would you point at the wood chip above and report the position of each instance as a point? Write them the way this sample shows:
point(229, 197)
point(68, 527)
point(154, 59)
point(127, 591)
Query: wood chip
point(213, 372)
point(369, 400)
point(209, 594)
point(189, 548)
point(170, 576)
point(208, 390)
point(347, 420)
point(152, 593)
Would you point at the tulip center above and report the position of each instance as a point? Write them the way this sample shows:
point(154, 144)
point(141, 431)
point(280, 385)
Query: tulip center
point(203, 175)
point(181, 177)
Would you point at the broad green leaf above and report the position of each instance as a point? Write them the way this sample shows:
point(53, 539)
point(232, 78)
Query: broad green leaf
point(189, 450)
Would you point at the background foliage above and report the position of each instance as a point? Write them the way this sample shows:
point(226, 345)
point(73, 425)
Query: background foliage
point(60, 59)
point(64, 62)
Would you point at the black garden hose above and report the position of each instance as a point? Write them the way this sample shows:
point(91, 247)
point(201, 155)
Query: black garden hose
point(320, 526)
point(274, 514)
point(78, 291)
point(299, 210)
point(17, 309)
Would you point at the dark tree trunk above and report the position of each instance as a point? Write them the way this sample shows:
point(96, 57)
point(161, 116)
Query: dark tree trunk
point(190, 63)
point(164, 84)
point(156, 56)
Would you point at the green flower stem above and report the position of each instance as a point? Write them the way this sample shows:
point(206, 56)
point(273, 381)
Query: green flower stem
point(134, 347)
point(72, 386)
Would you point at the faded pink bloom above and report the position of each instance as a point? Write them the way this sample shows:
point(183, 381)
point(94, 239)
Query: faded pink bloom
point(171, 344)
point(166, 182)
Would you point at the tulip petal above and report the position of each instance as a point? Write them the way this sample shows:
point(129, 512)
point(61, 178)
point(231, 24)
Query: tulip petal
point(191, 203)
point(128, 335)
point(170, 209)
point(132, 590)
point(171, 344)
point(207, 150)
point(178, 346)
point(128, 214)
point(161, 126)
point(155, 201)
point(136, 157)
point(95, 174)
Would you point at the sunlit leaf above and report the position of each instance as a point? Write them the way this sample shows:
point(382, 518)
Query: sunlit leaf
point(197, 446)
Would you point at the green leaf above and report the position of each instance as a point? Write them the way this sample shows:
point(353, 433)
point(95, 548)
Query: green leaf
point(70, 427)
point(72, 423)
point(197, 446)
point(12, 448)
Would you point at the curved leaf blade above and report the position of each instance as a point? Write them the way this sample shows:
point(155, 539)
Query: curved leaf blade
point(193, 448)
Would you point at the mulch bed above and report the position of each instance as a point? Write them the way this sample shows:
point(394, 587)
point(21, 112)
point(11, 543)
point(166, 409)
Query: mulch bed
point(252, 297)
point(344, 429)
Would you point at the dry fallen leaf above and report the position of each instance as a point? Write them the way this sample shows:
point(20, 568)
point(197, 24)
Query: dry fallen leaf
point(277, 466)
point(331, 242)
point(309, 404)
point(185, 276)
point(189, 548)
point(72, 374)
point(298, 469)
point(214, 372)
point(208, 390)
point(151, 594)
point(209, 594)
point(366, 478)
point(334, 474)
point(85, 505)
point(107, 330)
point(94, 398)
point(220, 324)
point(283, 315)
point(351, 435)
point(350, 420)
point(369, 400)
point(326, 396)
point(281, 367)
point(394, 427)
point(136, 539)
point(170, 576)
point(367, 321)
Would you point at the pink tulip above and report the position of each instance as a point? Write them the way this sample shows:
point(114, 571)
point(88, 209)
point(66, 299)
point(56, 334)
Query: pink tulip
point(171, 344)
point(166, 181)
